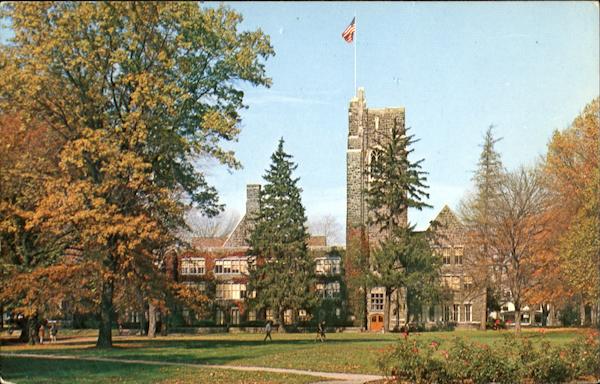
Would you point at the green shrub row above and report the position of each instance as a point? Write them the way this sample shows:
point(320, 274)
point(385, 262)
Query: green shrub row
point(514, 360)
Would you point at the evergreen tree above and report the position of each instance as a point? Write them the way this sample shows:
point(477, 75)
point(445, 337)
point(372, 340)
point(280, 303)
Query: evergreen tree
point(396, 183)
point(477, 211)
point(403, 258)
point(283, 272)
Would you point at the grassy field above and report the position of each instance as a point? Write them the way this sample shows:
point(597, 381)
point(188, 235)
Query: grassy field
point(342, 352)
point(30, 371)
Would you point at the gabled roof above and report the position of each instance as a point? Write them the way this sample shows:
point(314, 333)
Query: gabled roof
point(446, 218)
point(207, 242)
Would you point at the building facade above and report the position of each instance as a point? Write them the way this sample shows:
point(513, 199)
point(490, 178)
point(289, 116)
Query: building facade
point(218, 268)
point(367, 128)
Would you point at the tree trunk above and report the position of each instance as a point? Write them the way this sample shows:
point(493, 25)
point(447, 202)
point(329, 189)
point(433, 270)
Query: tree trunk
point(397, 309)
point(151, 319)
point(164, 319)
point(545, 314)
point(32, 330)
point(483, 312)
point(365, 309)
point(386, 311)
point(106, 312)
point(24, 327)
point(281, 328)
point(517, 319)
point(551, 316)
point(582, 313)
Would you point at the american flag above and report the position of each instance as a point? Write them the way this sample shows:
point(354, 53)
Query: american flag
point(348, 33)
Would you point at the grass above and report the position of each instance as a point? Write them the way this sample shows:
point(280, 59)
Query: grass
point(29, 371)
point(343, 352)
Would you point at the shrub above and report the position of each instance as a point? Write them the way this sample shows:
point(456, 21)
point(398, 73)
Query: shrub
point(514, 360)
point(413, 361)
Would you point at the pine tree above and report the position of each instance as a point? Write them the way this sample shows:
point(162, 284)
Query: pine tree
point(476, 213)
point(283, 272)
point(397, 184)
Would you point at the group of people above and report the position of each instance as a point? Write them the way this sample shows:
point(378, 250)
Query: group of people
point(320, 331)
point(42, 332)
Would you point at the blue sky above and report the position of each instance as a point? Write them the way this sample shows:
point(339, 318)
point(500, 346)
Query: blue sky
point(527, 67)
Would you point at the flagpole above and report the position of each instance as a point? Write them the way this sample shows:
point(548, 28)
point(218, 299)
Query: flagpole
point(355, 43)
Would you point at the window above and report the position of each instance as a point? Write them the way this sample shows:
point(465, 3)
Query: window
point(446, 313)
point(302, 315)
point(468, 312)
point(330, 289)
point(192, 266)
point(269, 314)
point(458, 256)
point(220, 317)
point(231, 266)
point(456, 313)
point(376, 301)
point(199, 285)
point(230, 291)
point(328, 266)
point(235, 315)
point(468, 283)
point(452, 282)
point(251, 315)
point(431, 313)
point(287, 316)
point(446, 256)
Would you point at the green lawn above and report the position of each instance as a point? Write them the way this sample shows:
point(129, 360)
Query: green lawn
point(30, 371)
point(343, 352)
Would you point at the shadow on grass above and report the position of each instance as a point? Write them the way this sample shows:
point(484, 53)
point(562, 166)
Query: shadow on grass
point(26, 371)
point(220, 352)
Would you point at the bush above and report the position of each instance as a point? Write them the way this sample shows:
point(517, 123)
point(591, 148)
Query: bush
point(514, 360)
point(413, 361)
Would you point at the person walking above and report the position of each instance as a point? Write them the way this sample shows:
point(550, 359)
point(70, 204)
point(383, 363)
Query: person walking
point(53, 332)
point(42, 333)
point(268, 329)
point(320, 332)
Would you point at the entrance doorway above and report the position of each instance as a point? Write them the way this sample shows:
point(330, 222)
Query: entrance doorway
point(376, 323)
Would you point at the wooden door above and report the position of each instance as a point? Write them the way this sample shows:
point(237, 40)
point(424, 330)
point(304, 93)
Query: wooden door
point(376, 322)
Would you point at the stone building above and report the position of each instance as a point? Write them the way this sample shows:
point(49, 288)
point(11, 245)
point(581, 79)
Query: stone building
point(366, 127)
point(218, 267)
point(463, 302)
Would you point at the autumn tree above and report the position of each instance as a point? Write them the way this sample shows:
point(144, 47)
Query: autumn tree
point(282, 274)
point(28, 157)
point(395, 184)
point(476, 212)
point(519, 231)
point(572, 169)
point(137, 91)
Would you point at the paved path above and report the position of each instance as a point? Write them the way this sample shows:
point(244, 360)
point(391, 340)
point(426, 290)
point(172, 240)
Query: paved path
point(332, 377)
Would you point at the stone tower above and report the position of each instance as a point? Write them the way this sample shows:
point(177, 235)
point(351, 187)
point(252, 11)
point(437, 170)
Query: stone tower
point(364, 127)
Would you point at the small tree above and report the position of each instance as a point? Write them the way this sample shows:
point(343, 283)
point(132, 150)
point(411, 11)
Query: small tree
point(282, 274)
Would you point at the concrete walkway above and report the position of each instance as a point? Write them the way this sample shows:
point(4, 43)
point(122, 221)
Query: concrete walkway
point(332, 377)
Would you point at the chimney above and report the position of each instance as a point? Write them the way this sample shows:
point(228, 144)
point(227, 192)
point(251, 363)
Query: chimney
point(252, 200)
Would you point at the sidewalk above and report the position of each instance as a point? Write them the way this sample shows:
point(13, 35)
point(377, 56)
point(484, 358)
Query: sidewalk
point(331, 377)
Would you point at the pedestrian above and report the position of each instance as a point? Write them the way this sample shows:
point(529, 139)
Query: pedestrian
point(268, 331)
point(53, 332)
point(42, 333)
point(320, 332)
